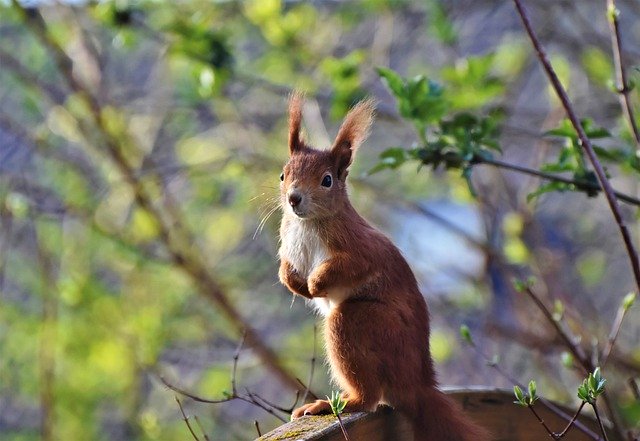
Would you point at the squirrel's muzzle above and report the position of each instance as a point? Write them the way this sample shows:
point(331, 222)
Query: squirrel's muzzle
point(294, 199)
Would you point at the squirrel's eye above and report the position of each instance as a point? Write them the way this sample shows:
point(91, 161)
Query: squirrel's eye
point(326, 181)
point(282, 176)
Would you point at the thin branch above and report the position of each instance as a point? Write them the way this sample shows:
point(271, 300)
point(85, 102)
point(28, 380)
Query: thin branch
point(186, 419)
point(204, 434)
point(234, 370)
point(597, 167)
point(613, 334)
point(286, 410)
point(600, 424)
point(551, 433)
point(575, 349)
point(257, 426)
point(573, 420)
point(344, 430)
point(309, 392)
point(580, 185)
point(247, 399)
point(313, 364)
point(193, 396)
point(548, 404)
point(622, 84)
point(584, 141)
point(634, 388)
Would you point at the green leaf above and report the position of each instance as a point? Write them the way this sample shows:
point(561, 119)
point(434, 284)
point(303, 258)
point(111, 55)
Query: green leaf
point(564, 130)
point(593, 131)
point(612, 155)
point(567, 359)
point(532, 392)
point(393, 157)
point(628, 301)
point(337, 403)
point(522, 285)
point(520, 399)
point(465, 333)
point(558, 310)
point(439, 23)
point(583, 393)
point(393, 80)
point(612, 12)
point(547, 188)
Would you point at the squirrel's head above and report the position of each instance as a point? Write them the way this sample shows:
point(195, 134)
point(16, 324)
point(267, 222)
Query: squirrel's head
point(313, 181)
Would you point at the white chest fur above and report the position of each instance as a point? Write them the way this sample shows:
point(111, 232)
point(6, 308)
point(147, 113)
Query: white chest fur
point(302, 245)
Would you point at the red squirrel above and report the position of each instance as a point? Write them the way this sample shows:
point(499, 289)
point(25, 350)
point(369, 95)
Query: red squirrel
point(376, 322)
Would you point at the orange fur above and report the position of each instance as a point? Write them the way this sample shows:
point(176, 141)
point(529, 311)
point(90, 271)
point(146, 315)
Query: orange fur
point(376, 320)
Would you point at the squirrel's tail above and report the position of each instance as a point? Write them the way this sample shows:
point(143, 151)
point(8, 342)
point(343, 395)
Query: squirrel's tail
point(439, 418)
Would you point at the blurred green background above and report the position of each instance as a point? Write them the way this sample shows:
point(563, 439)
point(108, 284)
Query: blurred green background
point(141, 144)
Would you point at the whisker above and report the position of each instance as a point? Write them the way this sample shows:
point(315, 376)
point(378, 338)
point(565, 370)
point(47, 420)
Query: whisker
point(268, 207)
point(257, 196)
point(264, 220)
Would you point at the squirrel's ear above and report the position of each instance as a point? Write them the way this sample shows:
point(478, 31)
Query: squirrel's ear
point(353, 131)
point(295, 120)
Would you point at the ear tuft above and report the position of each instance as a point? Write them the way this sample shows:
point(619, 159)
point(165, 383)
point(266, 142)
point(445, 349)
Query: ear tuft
point(296, 100)
point(353, 131)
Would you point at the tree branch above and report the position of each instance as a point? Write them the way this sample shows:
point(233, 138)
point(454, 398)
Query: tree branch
point(613, 335)
point(185, 418)
point(572, 421)
point(556, 178)
point(588, 149)
point(584, 141)
point(575, 349)
point(622, 85)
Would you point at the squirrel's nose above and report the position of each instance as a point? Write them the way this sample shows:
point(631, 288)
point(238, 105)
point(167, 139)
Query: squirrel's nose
point(295, 199)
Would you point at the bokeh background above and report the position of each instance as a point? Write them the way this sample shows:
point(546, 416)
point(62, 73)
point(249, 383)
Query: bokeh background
point(141, 144)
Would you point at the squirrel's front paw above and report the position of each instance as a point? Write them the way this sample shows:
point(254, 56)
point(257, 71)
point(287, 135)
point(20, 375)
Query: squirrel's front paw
point(316, 288)
point(316, 408)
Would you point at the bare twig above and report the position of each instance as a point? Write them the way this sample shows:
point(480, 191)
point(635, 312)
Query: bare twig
point(613, 335)
point(247, 399)
point(204, 434)
point(634, 388)
point(234, 370)
point(257, 426)
point(286, 410)
point(586, 363)
point(551, 433)
point(622, 85)
point(186, 419)
point(600, 424)
point(576, 350)
point(344, 430)
point(313, 364)
point(310, 394)
point(558, 435)
point(572, 421)
point(193, 396)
